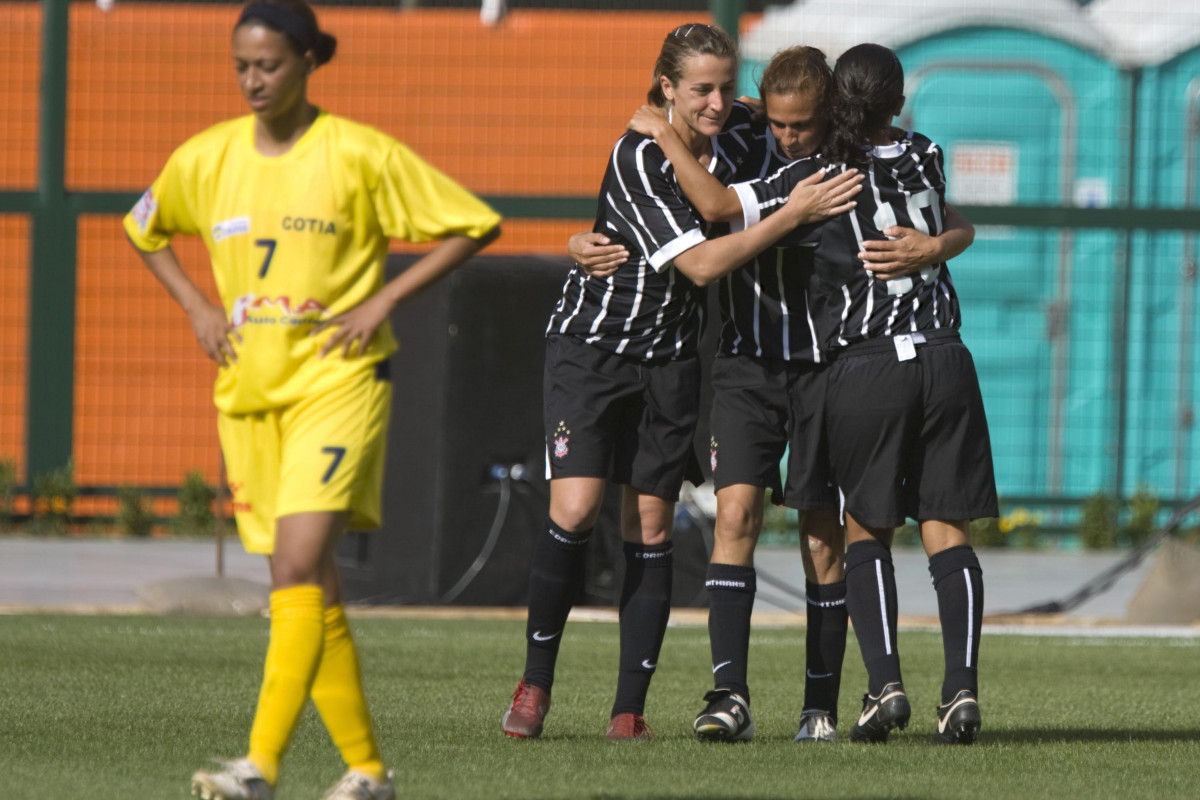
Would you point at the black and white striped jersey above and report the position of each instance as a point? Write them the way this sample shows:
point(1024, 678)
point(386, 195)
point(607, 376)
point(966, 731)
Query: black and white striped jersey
point(905, 185)
point(764, 304)
point(646, 309)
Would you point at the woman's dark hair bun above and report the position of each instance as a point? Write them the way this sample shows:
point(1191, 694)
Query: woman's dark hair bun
point(325, 47)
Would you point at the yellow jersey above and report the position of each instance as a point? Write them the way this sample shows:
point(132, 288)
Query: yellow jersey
point(297, 239)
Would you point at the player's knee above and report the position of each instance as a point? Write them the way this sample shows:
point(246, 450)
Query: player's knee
point(575, 514)
point(737, 522)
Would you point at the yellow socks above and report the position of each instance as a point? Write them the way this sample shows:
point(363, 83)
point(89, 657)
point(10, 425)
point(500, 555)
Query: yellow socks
point(338, 695)
point(293, 655)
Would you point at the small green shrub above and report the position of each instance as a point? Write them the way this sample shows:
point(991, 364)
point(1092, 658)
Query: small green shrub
point(134, 516)
point(907, 535)
point(54, 496)
point(1143, 509)
point(195, 516)
point(987, 532)
point(1098, 524)
point(8, 492)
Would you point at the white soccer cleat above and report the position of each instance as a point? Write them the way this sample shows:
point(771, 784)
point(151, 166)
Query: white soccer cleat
point(234, 780)
point(355, 785)
point(816, 726)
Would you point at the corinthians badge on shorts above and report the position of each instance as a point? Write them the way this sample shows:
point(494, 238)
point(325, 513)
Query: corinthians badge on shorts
point(562, 438)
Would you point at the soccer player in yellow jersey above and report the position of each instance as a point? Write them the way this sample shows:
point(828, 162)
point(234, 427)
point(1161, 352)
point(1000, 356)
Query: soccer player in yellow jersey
point(296, 207)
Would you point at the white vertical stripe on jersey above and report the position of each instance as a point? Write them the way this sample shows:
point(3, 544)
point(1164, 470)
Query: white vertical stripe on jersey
point(629, 199)
point(603, 308)
point(783, 306)
point(845, 314)
point(891, 320)
point(812, 331)
point(641, 166)
point(637, 229)
point(758, 351)
point(637, 305)
point(662, 310)
point(737, 338)
point(578, 303)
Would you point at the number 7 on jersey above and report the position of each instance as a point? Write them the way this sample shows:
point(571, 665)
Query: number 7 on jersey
point(338, 453)
point(270, 245)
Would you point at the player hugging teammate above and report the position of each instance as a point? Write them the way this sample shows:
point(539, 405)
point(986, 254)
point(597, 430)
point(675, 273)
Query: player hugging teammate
point(780, 318)
point(905, 421)
point(622, 378)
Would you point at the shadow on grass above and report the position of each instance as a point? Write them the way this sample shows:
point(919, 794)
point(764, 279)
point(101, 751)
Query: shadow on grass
point(1043, 735)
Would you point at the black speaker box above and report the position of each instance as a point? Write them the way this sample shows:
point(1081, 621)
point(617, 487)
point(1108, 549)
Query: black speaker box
point(465, 491)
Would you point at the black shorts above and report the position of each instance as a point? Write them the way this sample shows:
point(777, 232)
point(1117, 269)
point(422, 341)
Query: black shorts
point(760, 408)
point(909, 438)
point(623, 419)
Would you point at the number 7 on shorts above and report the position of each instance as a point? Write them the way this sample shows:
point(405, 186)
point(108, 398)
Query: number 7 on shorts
point(337, 453)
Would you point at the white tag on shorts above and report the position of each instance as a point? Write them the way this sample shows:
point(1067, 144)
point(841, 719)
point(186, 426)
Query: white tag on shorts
point(899, 286)
point(905, 349)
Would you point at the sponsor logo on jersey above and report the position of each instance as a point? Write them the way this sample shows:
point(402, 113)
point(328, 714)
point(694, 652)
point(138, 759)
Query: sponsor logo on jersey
point(239, 506)
point(281, 310)
point(144, 209)
point(230, 227)
point(309, 225)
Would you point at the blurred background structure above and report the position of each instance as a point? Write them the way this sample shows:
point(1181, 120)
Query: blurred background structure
point(1072, 139)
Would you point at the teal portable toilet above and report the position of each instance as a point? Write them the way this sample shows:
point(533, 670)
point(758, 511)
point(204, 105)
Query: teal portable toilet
point(1027, 112)
point(1159, 53)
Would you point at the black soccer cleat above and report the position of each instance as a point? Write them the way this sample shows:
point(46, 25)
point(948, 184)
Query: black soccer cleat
point(880, 714)
point(959, 720)
point(726, 718)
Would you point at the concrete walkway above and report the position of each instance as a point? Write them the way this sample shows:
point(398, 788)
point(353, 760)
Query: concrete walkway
point(82, 574)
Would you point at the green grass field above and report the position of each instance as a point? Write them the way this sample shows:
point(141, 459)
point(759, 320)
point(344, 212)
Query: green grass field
point(127, 707)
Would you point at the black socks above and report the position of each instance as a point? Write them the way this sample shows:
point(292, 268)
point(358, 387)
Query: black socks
point(958, 580)
point(645, 607)
point(825, 645)
point(730, 602)
point(557, 572)
point(871, 602)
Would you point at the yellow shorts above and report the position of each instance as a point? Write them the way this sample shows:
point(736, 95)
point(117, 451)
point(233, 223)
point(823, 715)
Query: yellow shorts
point(323, 453)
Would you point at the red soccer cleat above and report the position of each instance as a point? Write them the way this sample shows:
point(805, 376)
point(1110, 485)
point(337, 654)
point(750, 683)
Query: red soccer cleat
point(524, 717)
point(629, 728)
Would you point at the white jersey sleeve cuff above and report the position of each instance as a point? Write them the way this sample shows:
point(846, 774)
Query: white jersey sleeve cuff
point(750, 212)
point(662, 258)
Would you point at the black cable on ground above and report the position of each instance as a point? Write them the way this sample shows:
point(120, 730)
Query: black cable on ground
point(1104, 581)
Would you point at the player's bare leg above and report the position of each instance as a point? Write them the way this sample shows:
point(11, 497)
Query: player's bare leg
point(645, 606)
point(556, 573)
point(958, 580)
point(871, 603)
point(823, 552)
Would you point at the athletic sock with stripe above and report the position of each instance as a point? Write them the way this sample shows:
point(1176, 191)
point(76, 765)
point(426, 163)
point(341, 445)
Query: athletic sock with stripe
point(555, 578)
point(730, 603)
point(825, 645)
point(871, 603)
point(645, 607)
point(958, 580)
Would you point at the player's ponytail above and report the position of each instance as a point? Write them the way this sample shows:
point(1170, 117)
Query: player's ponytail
point(296, 20)
point(693, 39)
point(869, 88)
point(325, 47)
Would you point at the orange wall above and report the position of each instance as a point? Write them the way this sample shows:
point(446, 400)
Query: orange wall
point(529, 108)
point(14, 282)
